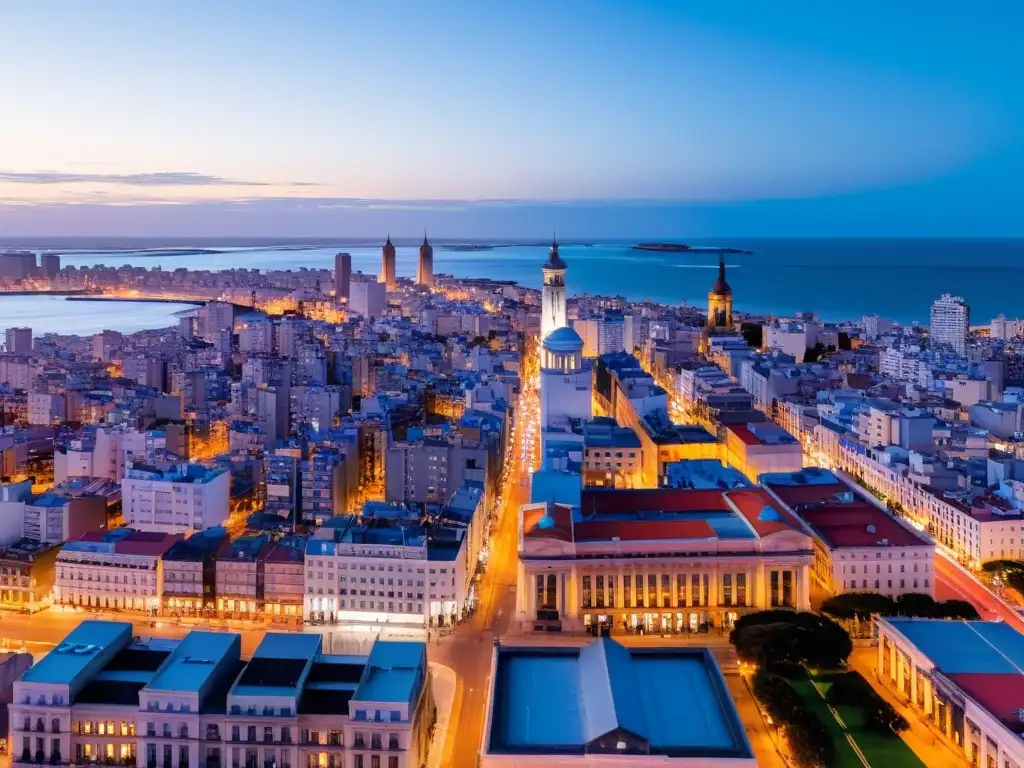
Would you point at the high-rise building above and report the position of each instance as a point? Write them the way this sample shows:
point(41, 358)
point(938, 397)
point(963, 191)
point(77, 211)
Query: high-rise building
point(342, 275)
point(49, 264)
point(19, 341)
point(387, 265)
point(720, 300)
point(368, 299)
point(553, 310)
point(425, 271)
point(950, 321)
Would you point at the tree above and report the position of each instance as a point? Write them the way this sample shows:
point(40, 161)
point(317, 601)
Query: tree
point(813, 354)
point(859, 605)
point(753, 334)
point(915, 604)
point(958, 609)
point(852, 690)
point(791, 636)
point(765, 644)
point(844, 340)
point(810, 744)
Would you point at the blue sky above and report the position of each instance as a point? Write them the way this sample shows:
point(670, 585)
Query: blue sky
point(509, 119)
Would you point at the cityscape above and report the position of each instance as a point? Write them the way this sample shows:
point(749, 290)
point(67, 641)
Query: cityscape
point(327, 474)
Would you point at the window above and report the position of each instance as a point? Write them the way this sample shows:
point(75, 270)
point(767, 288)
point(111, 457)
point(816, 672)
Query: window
point(611, 592)
point(726, 589)
point(627, 591)
point(586, 592)
point(600, 592)
point(741, 589)
point(652, 590)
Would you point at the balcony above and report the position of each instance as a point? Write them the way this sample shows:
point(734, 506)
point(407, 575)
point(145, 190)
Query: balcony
point(359, 743)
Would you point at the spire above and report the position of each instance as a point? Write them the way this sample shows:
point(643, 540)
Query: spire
point(389, 239)
point(425, 236)
point(554, 240)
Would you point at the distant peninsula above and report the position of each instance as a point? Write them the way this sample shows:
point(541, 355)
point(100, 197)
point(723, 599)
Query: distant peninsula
point(683, 247)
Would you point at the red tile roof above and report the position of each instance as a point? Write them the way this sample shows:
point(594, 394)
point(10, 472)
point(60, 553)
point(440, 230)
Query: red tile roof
point(846, 525)
point(752, 504)
point(1000, 694)
point(743, 433)
point(815, 493)
point(643, 530)
point(648, 499)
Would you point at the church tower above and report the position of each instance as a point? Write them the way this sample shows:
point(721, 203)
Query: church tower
point(387, 265)
point(720, 300)
point(553, 310)
point(425, 271)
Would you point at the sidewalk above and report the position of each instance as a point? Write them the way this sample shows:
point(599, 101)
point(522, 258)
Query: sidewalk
point(925, 742)
point(444, 682)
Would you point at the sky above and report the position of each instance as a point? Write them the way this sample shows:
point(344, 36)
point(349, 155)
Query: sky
point(597, 118)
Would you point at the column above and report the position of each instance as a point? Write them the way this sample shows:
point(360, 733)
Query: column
point(879, 657)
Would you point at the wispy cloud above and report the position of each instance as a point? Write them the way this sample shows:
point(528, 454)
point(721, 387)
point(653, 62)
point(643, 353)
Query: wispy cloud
point(156, 179)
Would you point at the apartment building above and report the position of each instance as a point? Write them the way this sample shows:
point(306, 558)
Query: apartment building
point(121, 569)
point(383, 567)
point(177, 499)
point(103, 696)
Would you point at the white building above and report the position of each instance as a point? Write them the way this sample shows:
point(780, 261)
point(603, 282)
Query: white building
point(121, 568)
point(950, 322)
point(256, 334)
point(962, 678)
point(858, 546)
point(385, 571)
point(189, 497)
point(649, 560)
point(566, 382)
point(553, 305)
point(875, 326)
point(1003, 329)
point(369, 299)
point(45, 409)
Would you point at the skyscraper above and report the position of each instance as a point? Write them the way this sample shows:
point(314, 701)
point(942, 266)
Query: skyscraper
point(342, 275)
point(950, 321)
point(387, 265)
point(19, 341)
point(553, 310)
point(425, 271)
point(720, 300)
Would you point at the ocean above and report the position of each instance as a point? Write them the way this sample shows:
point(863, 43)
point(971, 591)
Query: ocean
point(838, 279)
point(55, 314)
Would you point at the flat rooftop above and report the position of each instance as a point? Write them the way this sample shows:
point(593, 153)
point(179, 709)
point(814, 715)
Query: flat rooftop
point(657, 701)
point(72, 656)
point(192, 664)
point(394, 672)
point(966, 647)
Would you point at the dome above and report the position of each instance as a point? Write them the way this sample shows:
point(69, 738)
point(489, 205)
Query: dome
point(563, 339)
point(554, 260)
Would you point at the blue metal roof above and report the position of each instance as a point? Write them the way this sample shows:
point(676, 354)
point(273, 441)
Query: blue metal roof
point(562, 699)
point(193, 662)
point(288, 645)
point(74, 654)
point(957, 647)
point(394, 672)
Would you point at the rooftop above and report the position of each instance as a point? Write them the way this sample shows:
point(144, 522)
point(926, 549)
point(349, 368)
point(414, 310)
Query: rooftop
point(69, 659)
point(564, 700)
point(192, 664)
point(394, 672)
point(966, 647)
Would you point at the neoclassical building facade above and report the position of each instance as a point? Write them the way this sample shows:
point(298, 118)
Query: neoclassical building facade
point(659, 560)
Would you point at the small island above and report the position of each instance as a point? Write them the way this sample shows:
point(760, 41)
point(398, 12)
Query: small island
point(468, 247)
point(683, 247)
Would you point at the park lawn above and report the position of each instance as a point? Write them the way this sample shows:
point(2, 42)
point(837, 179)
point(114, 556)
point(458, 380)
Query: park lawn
point(845, 756)
point(881, 749)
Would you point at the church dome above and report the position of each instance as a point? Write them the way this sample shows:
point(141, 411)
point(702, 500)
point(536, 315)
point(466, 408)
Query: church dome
point(563, 340)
